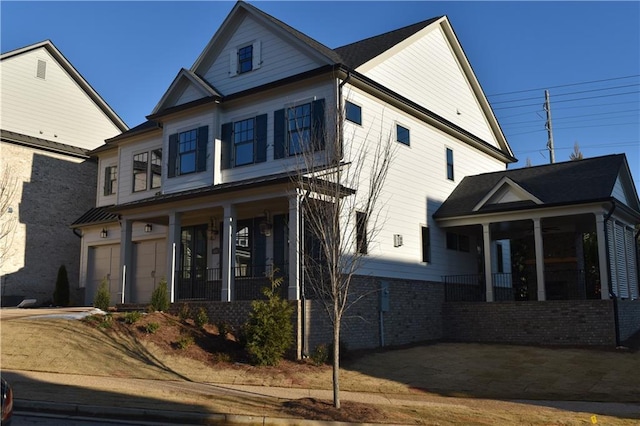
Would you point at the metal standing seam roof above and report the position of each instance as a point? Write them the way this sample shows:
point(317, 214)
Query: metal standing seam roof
point(571, 182)
point(95, 215)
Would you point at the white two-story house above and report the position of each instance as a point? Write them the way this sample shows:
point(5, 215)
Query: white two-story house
point(201, 194)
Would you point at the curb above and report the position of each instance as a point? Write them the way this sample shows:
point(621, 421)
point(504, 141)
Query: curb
point(152, 415)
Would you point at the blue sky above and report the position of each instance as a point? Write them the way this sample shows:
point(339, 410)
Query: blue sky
point(586, 53)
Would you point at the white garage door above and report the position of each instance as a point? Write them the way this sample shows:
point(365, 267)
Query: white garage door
point(149, 260)
point(104, 263)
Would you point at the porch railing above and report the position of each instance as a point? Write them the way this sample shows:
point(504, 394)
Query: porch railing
point(566, 284)
point(206, 284)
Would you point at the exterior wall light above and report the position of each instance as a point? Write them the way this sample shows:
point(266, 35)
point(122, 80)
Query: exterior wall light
point(148, 228)
point(104, 233)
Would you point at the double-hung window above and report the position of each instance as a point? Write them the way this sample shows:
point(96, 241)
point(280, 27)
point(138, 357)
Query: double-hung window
point(244, 142)
point(361, 233)
point(188, 151)
point(299, 128)
point(426, 245)
point(457, 242)
point(245, 58)
point(110, 180)
point(147, 170)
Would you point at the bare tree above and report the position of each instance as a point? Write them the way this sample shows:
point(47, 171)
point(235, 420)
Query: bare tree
point(576, 154)
point(341, 185)
point(8, 220)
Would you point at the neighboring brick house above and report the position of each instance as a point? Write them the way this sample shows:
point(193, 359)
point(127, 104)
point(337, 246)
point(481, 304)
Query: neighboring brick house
point(201, 194)
point(51, 119)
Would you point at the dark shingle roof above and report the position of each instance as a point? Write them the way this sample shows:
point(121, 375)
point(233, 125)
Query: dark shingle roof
point(44, 144)
point(95, 215)
point(355, 54)
point(571, 182)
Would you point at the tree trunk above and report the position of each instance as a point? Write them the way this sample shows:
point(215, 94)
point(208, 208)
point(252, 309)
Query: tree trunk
point(336, 364)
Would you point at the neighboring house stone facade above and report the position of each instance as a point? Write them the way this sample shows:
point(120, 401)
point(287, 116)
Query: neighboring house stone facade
point(44, 148)
point(201, 194)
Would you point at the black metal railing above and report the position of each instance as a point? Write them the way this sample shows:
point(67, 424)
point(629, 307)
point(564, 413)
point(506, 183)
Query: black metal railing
point(565, 284)
point(464, 288)
point(206, 284)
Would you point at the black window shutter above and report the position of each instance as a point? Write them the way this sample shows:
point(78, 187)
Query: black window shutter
point(173, 154)
point(107, 180)
point(201, 156)
point(225, 152)
point(317, 111)
point(261, 138)
point(278, 134)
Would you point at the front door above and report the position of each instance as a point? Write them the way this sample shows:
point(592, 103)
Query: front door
point(192, 275)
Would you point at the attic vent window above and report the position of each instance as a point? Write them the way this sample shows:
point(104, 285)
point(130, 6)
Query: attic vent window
point(42, 69)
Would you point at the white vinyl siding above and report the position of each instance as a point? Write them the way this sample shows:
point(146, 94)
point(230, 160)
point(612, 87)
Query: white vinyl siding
point(125, 169)
point(415, 187)
point(53, 108)
point(427, 72)
point(279, 59)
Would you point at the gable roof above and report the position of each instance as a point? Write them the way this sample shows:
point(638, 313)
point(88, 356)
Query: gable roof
point(355, 54)
point(44, 144)
point(75, 75)
point(567, 183)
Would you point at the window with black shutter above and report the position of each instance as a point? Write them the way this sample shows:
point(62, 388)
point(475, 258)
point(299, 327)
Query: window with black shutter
point(188, 152)
point(299, 128)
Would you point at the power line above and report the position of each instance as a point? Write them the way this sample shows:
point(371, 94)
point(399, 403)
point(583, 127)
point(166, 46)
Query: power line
point(567, 107)
point(573, 127)
point(599, 114)
point(568, 93)
point(573, 100)
point(564, 85)
point(603, 145)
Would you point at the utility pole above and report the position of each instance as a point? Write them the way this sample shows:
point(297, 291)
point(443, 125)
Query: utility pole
point(549, 127)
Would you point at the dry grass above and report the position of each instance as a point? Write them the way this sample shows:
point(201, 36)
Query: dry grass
point(443, 383)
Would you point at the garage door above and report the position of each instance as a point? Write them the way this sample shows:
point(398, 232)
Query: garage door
point(104, 263)
point(149, 260)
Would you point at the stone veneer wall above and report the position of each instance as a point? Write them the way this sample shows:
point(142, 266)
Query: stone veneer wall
point(53, 190)
point(557, 322)
point(628, 318)
point(414, 315)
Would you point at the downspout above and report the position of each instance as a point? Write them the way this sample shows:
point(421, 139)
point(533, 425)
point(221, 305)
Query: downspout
point(340, 109)
point(612, 295)
point(303, 334)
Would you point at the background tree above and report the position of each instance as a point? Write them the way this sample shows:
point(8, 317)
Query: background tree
point(8, 218)
point(576, 154)
point(340, 185)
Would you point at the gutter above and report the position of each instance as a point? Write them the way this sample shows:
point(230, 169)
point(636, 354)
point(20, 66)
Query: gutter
point(612, 295)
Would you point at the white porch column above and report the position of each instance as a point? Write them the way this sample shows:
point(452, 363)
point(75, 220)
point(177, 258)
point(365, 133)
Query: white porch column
point(537, 237)
point(295, 226)
point(173, 252)
point(228, 252)
point(488, 279)
point(602, 257)
point(126, 257)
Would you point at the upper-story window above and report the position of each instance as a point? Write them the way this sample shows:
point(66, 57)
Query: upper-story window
point(402, 134)
point(449, 164)
point(299, 128)
point(457, 242)
point(244, 142)
point(353, 112)
point(147, 170)
point(188, 151)
point(362, 244)
point(245, 58)
point(110, 180)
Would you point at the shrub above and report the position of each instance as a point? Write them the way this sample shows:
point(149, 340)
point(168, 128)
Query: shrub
point(61, 292)
point(102, 297)
point(185, 341)
point(320, 354)
point(184, 312)
point(224, 328)
point(269, 330)
point(132, 317)
point(151, 327)
point(202, 318)
point(160, 297)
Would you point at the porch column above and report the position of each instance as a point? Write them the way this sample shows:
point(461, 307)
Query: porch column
point(603, 265)
point(126, 257)
point(537, 237)
point(228, 252)
point(173, 252)
point(295, 226)
point(486, 241)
